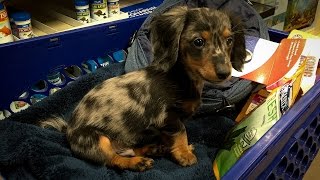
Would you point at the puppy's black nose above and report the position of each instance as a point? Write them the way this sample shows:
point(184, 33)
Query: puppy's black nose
point(223, 75)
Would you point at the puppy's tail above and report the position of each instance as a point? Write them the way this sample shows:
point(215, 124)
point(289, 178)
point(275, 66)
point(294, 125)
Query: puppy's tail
point(56, 122)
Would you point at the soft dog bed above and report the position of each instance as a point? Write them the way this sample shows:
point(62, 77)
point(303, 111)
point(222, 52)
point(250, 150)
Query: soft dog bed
point(30, 152)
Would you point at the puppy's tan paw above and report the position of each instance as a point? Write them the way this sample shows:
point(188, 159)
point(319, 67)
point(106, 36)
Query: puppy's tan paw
point(141, 163)
point(186, 158)
point(191, 147)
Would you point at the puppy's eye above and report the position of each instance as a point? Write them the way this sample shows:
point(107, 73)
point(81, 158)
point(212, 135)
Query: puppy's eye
point(198, 42)
point(229, 41)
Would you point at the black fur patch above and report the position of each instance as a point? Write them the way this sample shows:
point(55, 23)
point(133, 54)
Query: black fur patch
point(99, 86)
point(137, 91)
point(165, 36)
point(84, 143)
point(238, 53)
point(92, 102)
point(132, 119)
point(107, 120)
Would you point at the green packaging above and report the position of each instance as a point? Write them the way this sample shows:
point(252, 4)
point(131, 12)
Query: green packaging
point(247, 133)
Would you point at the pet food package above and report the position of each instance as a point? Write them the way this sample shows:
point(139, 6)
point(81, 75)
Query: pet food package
point(271, 63)
point(5, 28)
point(255, 100)
point(82, 11)
point(113, 8)
point(300, 14)
point(22, 20)
point(257, 123)
point(99, 9)
point(312, 72)
point(291, 14)
point(308, 79)
point(297, 34)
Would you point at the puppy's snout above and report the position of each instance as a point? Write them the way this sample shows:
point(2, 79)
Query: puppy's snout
point(219, 59)
point(222, 68)
point(223, 75)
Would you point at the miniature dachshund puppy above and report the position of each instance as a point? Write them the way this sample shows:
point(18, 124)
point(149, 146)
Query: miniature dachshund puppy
point(190, 46)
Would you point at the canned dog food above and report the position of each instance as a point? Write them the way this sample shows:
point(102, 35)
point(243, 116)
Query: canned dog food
point(10, 11)
point(105, 61)
point(73, 72)
point(90, 66)
point(113, 7)
point(40, 86)
point(99, 9)
point(2, 116)
point(55, 78)
point(119, 56)
point(23, 24)
point(82, 11)
point(37, 98)
point(17, 106)
point(53, 90)
point(5, 29)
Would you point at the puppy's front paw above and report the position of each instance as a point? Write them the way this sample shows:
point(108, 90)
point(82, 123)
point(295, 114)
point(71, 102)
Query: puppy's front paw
point(185, 157)
point(191, 147)
point(141, 163)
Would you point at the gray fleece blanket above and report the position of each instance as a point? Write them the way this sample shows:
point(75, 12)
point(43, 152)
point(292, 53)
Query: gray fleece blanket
point(30, 152)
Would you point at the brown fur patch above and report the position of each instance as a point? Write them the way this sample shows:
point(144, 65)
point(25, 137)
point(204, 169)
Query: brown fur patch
point(191, 106)
point(181, 151)
point(105, 146)
point(203, 67)
point(115, 160)
point(226, 33)
point(151, 150)
point(133, 163)
point(206, 35)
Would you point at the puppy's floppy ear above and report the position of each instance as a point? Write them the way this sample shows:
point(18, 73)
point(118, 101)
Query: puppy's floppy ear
point(238, 54)
point(165, 34)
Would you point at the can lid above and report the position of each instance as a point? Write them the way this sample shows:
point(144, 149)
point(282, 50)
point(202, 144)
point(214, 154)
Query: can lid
point(96, 1)
point(21, 16)
point(81, 2)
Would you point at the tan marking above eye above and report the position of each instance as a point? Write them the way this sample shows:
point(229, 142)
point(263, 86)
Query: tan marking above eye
point(226, 33)
point(206, 35)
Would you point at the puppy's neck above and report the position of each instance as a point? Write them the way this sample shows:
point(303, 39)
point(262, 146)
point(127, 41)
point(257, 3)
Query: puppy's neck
point(187, 83)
